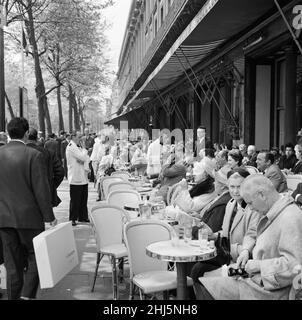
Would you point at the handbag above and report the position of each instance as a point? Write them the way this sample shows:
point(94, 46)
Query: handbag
point(223, 248)
point(109, 171)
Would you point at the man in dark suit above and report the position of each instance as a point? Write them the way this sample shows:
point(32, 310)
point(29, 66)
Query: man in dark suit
point(297, 195)
point(266, 164)
point(289, 160)
point(53, 145)
point(25, 205)
point(54, 168)
point(64, 145)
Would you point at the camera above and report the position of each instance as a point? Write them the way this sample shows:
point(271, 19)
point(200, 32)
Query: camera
point(232, 272)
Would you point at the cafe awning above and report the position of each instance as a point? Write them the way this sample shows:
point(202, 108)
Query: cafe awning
point(217, 22)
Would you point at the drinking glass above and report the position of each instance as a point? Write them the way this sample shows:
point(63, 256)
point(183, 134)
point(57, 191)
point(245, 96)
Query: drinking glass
point(188, 234)
point(203, 238)
point(175, 236)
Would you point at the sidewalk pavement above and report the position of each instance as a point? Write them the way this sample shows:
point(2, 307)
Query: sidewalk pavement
point(77, 284)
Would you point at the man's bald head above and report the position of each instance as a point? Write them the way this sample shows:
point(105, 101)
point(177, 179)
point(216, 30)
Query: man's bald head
point(259, 193)
point(251, 150)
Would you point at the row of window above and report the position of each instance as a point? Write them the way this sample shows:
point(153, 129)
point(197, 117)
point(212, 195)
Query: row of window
point(150, 21)
point(156, 11)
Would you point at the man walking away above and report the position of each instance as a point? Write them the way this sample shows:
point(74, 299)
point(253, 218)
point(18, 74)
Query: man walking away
point(55, 171)
point(25, 205)
point(53, 145)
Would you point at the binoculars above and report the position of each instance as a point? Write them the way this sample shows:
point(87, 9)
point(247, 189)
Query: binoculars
point(237, 273)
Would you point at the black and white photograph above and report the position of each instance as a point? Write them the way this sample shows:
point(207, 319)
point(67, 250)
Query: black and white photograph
point(150, 154)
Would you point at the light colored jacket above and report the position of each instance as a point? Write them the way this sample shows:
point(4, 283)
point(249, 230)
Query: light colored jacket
point(77, 172)
point(244, 228)
point(154, 158)
point(275, 175)
point(196, 204)
point(278, 250)
point(96, 147)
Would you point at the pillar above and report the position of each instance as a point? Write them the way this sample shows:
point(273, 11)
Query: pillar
point(290, 129)
point(249, 102)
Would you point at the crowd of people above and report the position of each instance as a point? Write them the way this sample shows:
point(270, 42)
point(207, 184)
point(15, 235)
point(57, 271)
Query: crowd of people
point(239, 195)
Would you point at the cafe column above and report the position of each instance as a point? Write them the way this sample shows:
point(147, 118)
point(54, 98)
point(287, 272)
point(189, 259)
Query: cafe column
point(290, 129)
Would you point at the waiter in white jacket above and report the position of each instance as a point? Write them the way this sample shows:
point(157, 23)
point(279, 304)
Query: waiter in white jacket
point(154, 159)
point(78, 169)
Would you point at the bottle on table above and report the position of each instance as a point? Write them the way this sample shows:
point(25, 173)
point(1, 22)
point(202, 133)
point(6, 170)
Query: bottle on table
point(145, 209)
point(159, 208)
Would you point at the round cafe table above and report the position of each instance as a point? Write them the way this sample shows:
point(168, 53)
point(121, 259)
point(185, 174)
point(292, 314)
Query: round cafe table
point(181, 253)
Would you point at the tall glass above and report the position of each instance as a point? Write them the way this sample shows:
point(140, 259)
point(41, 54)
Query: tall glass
point(175, 236)
point(187, 234)
point(203, 238)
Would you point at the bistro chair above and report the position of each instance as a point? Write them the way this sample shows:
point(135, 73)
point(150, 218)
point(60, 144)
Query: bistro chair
point(125, 198)
point(252, 170)
point(122, 185)
point(108, 222)
point(149, 275)
point(120, 198)
point(121, 174)
point(106, 182)
point(293, 181)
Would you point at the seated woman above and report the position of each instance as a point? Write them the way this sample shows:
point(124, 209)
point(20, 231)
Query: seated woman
point(238, 229)
point(222, 159)
point(235, 159)
point(171, 174)
point(213, 214)
point(202, 193)
point(105, 163)
point(139, 160)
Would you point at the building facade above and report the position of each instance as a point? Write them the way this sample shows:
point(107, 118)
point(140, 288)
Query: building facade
point(233, 66)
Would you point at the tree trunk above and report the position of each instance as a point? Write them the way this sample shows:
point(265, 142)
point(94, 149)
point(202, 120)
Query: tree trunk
point(70, 108)
point(76, 114)
point(61, 120)
point(81, 114)
point(47, 116)
point(9, 105)
point(40, 87)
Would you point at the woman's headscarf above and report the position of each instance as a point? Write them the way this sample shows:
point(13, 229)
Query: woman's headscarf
point(204, 168)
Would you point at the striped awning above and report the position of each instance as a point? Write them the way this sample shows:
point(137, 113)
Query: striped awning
point(184, 58)
point(217, 22)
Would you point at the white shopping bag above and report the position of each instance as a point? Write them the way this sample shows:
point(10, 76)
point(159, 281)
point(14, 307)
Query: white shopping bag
point(56, 254)
point(2, 277)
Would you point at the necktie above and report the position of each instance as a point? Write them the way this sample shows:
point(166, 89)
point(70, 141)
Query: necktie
point(233, 217)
